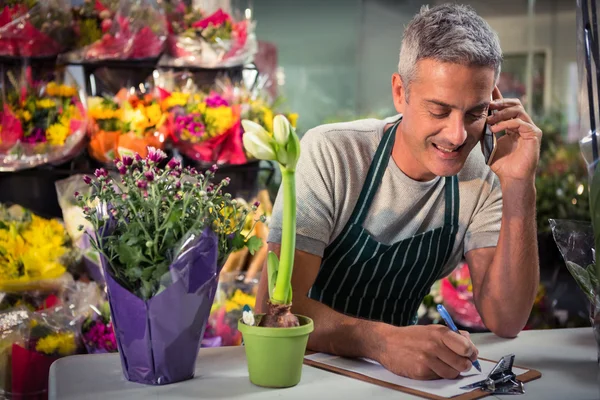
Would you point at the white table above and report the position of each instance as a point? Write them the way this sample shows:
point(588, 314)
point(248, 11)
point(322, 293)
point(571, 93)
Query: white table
point(567, 359)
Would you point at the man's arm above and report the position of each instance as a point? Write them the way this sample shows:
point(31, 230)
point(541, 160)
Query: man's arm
point(505, 278)
point(418, 352)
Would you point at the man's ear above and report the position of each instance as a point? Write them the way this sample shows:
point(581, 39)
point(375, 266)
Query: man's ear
point(398, 93)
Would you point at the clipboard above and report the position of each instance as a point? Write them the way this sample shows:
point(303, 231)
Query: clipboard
point(528, 376)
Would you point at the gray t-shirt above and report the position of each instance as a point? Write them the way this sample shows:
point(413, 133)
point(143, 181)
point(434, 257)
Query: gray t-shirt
point(332, 169)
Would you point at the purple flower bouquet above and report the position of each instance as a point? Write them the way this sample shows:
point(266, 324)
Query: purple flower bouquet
point(163, 234)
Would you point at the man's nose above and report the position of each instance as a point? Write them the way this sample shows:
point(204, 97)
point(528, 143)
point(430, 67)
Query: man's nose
point(456, 133)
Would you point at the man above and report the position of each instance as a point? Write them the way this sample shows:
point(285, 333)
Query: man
point(385, 208)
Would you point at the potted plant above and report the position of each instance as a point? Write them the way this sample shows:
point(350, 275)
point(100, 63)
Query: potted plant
point(163, 234)
point(275, 342)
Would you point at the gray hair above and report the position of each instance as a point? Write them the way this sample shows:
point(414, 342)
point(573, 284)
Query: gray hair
point(448, 33)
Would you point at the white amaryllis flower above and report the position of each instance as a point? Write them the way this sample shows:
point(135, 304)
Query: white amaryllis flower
point(281, 130)
point(259, 148)
point(248, 318)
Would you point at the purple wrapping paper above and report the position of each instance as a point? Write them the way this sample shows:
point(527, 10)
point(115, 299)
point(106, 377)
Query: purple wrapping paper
point(159, 339)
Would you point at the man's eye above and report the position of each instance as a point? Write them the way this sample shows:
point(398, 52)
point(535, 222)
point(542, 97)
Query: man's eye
point(477, 115)
point(439, 115)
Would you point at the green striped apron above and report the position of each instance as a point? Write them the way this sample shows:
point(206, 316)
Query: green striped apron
point(363, 278)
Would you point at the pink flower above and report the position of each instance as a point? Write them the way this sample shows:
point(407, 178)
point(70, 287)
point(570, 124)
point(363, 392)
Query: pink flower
point(127, 161)
point(173, 163)
point(215, 100)
point(87, 180)
point(142, 184)
point(100, 173)
point(156, 155)
point(149, 176)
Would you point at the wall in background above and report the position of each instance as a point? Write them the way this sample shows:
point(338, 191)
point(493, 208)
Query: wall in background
point(338, 56)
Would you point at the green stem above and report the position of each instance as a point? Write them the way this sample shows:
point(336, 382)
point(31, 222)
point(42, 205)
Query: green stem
point(288, 237)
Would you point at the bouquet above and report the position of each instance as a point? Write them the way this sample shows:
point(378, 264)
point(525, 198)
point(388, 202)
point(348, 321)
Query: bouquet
point(126, 124)
point(34, 252)
point(97, 331)
point(40, 122)
point(206, 127)
point(163, 234)
point(33, 28)
point(136, 29)
point(93, 19)
point(47, 338)
point(204, 40)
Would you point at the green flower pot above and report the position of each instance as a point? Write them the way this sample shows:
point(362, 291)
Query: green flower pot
point(275, 355)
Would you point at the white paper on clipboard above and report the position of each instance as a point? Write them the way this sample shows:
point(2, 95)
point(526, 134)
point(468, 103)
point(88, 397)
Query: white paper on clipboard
point(441, 387)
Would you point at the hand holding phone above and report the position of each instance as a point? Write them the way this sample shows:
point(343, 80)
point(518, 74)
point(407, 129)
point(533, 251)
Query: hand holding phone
point(488, 143)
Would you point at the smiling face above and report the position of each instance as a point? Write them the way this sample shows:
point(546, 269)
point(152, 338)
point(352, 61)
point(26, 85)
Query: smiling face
point(443, 119)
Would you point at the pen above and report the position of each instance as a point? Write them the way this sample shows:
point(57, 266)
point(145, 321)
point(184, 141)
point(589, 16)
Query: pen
point(446, 316)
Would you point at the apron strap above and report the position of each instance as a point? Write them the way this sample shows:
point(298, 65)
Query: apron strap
point(376, 171)
point(452, 200)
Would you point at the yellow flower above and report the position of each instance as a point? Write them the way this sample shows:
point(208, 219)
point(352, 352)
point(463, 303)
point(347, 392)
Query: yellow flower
point(31, 251)
point(59, 343)
point(57, 134)
point(175, 99)
point(218, 120)
point(45, 103)
point(55, 90)
point(268, 119)
point(67, 91)
point(293, 118)
point(25, 115)
point(154, 114)
point(104, 113)
point(52, 89)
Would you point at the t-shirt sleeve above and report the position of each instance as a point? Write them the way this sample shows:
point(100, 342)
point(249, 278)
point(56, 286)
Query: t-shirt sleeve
point(484, 228)
point(314, 196)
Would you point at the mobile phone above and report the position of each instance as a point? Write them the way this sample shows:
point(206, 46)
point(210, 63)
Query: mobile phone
point(488, 143)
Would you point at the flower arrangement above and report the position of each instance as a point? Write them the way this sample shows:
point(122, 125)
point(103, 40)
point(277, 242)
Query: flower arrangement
point(97, 332)
point(40, 122)
point(46, 339)
point(32, 250)
point(32, 28)
point(135, 29)
point(206, 127)
point(163, 234)
point(207, 40)
point(92, 19)
point(126, 124)
point(175, 203)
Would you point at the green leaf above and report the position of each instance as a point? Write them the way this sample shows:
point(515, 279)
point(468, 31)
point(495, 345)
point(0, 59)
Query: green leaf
point(582, 277)
point(591, 270)
point(272, 268)
point(254, 244)
point(238, 241)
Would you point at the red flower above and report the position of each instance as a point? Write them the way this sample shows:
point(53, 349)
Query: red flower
point(217, 18)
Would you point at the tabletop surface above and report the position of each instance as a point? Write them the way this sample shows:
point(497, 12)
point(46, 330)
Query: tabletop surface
point(567, 359)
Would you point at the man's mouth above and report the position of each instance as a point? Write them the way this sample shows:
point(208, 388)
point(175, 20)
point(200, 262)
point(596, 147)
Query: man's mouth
point(448, 152)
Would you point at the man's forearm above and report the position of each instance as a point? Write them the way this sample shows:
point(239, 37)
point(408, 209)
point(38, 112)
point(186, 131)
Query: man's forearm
point(335, 333)
point(339, 334)
point(510, 284)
